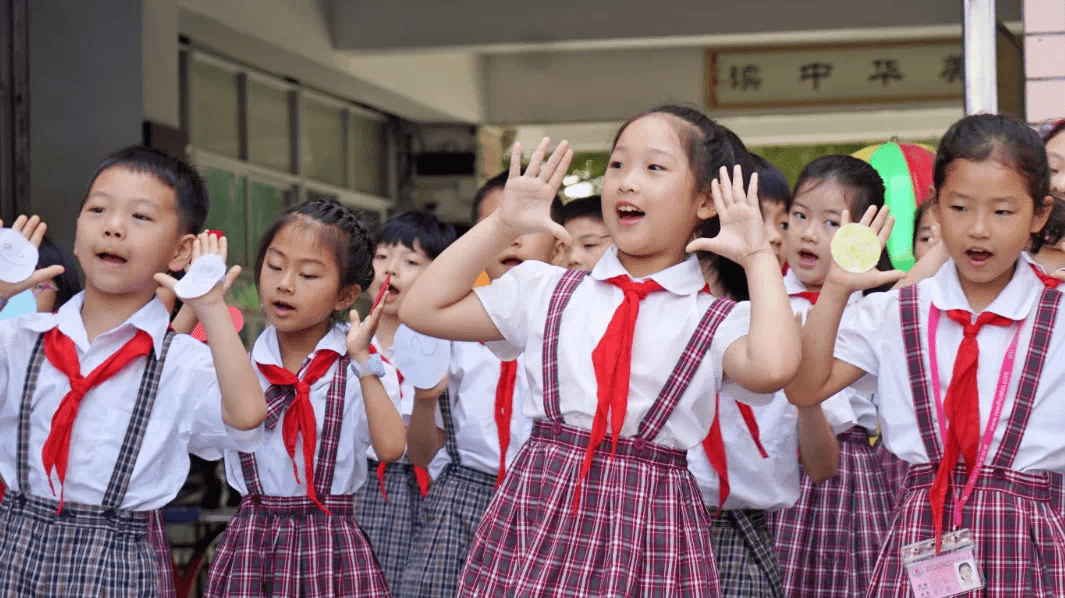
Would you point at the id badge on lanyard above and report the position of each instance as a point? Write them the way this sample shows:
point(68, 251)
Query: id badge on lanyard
point(953, 570)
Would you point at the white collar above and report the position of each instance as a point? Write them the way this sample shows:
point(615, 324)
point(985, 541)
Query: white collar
point(151, 318)
point(1014, 302)
point(685, 278)
point(267, 351)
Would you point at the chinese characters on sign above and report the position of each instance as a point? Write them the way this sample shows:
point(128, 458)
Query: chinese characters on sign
point(891, 72)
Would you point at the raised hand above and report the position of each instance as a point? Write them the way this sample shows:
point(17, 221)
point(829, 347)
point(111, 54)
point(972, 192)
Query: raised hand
point(881, 221)
point(361, 333)
point(33, 229)
point(205, 244)
point(742, 232)
point(526, 202)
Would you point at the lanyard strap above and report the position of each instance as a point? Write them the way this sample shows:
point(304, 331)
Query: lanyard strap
point(996, 406)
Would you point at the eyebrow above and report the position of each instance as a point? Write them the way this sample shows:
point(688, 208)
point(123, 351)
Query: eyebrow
point(306, 260)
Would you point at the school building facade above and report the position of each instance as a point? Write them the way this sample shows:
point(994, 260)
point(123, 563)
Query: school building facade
point(406, 103)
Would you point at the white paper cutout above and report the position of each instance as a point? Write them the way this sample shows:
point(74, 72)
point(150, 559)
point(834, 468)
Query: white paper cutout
point(206, 271)
point(23, 303)
point(422, 359)
point(18, 257)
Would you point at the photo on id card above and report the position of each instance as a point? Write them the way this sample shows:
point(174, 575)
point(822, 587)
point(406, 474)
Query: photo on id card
point(951, 572)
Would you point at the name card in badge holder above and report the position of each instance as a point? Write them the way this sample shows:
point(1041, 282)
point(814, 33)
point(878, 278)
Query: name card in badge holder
point(951, 572)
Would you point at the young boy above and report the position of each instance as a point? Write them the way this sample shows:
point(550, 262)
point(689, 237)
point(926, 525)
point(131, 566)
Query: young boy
point(82, 384)
point(774, 197)
point(583, 219)
point(481, 424)
point(390, 510)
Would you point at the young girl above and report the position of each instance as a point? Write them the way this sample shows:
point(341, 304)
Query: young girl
point(581, 513)
point(828, 541)
point(979, 436)
point(295, 533)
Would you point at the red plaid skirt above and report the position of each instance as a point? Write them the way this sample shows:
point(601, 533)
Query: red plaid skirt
point(828, 542)
point(640, 530)
point(1057, 492)
point(161, 547)
point(895, 471)
point(1020, 539)
point(286, 546)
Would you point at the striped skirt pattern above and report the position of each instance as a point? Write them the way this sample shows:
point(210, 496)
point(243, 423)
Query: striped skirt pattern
point(456, 504)
point(390, 524)
point(279, 546)
point(640, 529)
point(1020, 539)
point(746, 556)
point(829, 541)
point(85, 551)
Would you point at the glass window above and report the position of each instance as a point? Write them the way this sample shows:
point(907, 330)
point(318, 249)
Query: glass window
point(269, 126)
point(322, 142)
point(215, 109)
point(265, 201)
point(369, 148)
point(228, 211)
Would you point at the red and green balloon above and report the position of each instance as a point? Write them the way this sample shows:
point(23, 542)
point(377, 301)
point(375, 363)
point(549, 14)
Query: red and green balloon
point(907, 172)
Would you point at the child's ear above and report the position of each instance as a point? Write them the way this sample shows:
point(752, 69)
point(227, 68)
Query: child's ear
point(183, 253)
point(560, 253)
point(705, 208)
point(1042, 214)
point(347, 297)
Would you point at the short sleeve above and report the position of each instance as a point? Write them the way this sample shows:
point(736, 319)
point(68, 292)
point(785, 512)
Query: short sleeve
point(735, 325)
point(210, 435)
point(512, 300)
point(861, 330)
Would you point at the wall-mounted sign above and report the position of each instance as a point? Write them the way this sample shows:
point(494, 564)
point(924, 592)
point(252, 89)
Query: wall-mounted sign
point(859, 73)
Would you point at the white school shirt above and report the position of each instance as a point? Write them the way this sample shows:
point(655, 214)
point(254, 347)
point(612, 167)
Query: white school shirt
point(870, 338)
point(852, 406)
point(402, 394)
point(186, 416)
point(472, 379)
point(766, 483)
point(518, 302)
point(272, 459)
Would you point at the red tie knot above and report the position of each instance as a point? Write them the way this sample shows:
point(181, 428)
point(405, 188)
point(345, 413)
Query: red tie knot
point(80, 386)
point(972, 328)
point(302, 388)
point(639, 290)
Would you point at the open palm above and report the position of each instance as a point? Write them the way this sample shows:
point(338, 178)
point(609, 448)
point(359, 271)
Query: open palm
point(881, 221)
point(742, 233)
point(527, 197)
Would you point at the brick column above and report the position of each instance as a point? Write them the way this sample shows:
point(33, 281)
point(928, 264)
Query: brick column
point(1044, 59)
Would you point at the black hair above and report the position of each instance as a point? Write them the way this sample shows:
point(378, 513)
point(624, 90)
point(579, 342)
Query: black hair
point(1012, 143)
point(772, 184)
point(193, 200)
point(499, 181)
point(708, 146)
point(917, 215)
point(864, 189)
point(582, 207)
point(67, 284)
point(1051, 129)
point(412, 226)
point(863, 183)
point(339, 228)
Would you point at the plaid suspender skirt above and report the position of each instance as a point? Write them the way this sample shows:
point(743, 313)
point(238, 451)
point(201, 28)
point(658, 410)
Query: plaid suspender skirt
point(86, 550)
point(454, 507)
point(285, 546)
point(746, 557)
point(828, 541)
point(1020, 537)
point(640, 529)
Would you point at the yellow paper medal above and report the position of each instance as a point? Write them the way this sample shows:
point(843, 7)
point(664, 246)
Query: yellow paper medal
point(856, 248)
